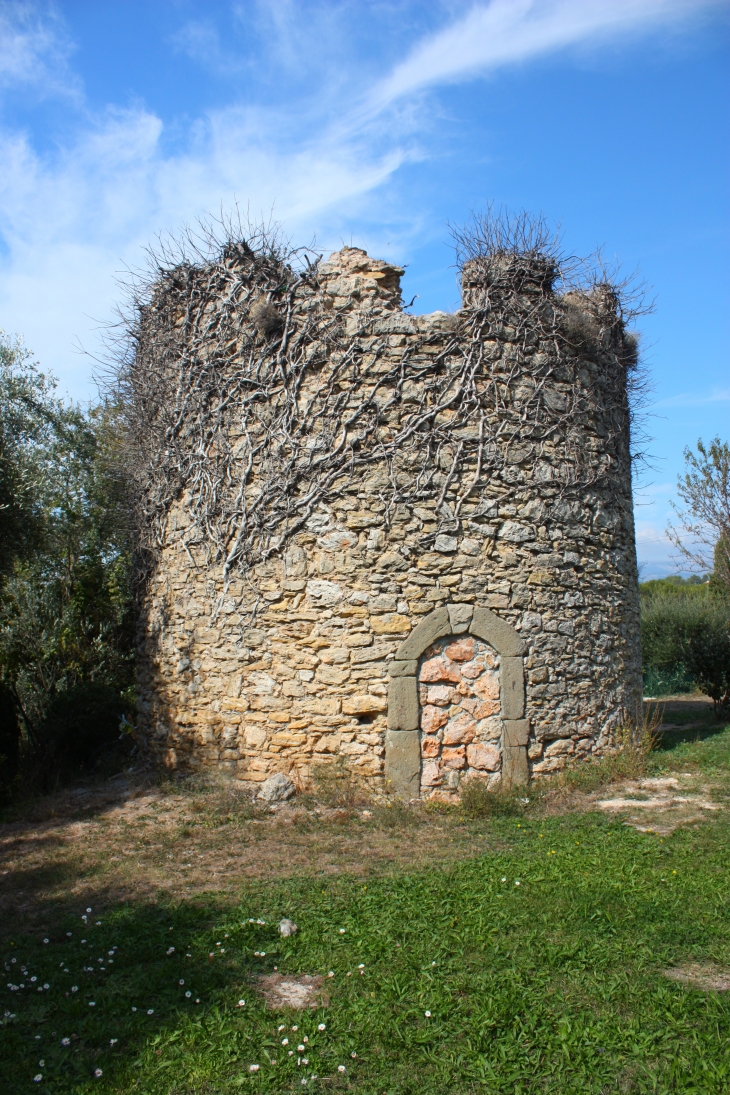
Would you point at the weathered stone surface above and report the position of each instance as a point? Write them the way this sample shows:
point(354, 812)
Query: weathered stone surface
point(403, 709)
point(403, 763)
point(515, 771)
point(490, 627)
point(277, 788)
point(487, 758)
point(402, 669)
point(460, 614)
point(512, 688)
point(515, 732)
point(364, 704)
point(432, 627)
point(307, 677)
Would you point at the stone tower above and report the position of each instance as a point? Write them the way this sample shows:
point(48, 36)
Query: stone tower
point(405, 542)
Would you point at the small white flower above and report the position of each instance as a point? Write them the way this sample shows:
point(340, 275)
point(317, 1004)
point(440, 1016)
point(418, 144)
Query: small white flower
point(300, 1049)
point(37, 1078)
point(134, 1009)
point(89, 910)
point(188, 994)
point(353, 1054)
point(285, 1041)
point(181, 981)
point(34, 978)
point(46, 985)
point(65, 1041)
point(113, 1041)
point(341, 1068)
point(305, 1039)
point(342, 931)
point(305, 1060)
point(45, 940)
point(517, 882)
point(170, 950)
point(150, 1011)
point(295, 1028)
point(241, 1004)
point(69, 933)
point(504, 879)
point(282, 1027)
point(253, 1068)
point(331, 973)
point(98, 1073)
point(92, 1003)
point(321, 1026)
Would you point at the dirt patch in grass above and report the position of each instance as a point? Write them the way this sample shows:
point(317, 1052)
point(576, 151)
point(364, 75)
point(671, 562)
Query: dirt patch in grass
point(282, 991)
point(709, 978)
point(134, 839)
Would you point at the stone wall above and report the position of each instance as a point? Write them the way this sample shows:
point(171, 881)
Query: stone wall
point(530, 577)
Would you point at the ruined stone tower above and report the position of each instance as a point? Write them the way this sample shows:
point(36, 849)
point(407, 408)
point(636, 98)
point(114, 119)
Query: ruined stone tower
point(402, 541)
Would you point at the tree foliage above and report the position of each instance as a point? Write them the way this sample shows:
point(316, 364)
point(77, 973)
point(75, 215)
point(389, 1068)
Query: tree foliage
point(703, 536)
point(691, 635)
point(66, 631)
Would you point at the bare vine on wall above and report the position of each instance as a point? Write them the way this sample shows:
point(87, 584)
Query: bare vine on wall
point(252, 401)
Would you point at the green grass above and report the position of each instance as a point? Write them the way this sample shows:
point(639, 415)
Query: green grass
point(554, 985)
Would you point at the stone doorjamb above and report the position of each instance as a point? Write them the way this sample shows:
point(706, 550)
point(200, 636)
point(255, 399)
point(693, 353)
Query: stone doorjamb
point(402, 740)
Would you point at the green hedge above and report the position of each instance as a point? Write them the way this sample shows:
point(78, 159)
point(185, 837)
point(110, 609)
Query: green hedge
point(686, 639)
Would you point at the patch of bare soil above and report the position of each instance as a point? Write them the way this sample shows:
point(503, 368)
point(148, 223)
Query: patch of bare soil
point(133, 838)
point(280, 992)
point(660, 805)
point(709, 978)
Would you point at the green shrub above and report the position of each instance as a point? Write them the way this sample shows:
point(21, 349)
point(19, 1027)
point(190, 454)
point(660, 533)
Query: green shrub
point(667, 682)
point(84, 724)
point(688, 638)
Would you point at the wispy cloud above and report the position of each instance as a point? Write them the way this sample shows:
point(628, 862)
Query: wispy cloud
point(34, 52)
point(73, 214)
point(694, 399)
point(508, 31)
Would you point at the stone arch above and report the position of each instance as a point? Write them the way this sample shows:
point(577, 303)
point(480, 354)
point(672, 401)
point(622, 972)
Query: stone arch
point(402, 743)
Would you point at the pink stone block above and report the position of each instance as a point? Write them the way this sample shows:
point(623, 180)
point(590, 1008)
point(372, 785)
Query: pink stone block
point(487, 686)
point(430, 773)
point(439, 694)
point(472, 670)
point(430, 746)
point(461, 651)
point(460, 730)
point(438, 669)
point(485, 757)
point(454, 757)
point(432, 719)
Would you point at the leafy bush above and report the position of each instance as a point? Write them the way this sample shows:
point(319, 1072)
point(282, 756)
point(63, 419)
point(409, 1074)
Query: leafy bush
point(66, 619)
point(689, 637)
point(83, 723)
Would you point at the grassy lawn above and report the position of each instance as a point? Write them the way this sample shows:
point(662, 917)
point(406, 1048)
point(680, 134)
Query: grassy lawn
point(532, 964)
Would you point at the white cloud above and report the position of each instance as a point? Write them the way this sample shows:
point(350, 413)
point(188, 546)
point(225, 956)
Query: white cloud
point(508, 31)
point(694, 399)
point(71, 217)
point(34, 51)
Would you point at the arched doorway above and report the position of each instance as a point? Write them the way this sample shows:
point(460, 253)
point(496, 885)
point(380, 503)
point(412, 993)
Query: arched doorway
point(487, 647)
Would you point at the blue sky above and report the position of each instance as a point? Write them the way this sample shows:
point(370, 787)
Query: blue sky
point(376, 124)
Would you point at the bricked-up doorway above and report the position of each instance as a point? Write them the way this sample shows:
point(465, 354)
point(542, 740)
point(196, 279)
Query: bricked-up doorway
point(497, 648)
point(461, 728)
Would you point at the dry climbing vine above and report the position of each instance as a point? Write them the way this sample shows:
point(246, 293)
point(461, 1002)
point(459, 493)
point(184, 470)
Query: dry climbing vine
point(251, 401)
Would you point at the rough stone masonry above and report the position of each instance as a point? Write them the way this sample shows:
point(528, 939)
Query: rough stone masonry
point(401, 542)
